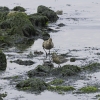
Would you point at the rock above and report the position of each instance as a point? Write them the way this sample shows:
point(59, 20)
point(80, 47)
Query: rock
point(3, 61)
point(19, 8)
point(40, 70)
point(26, 62)
point(4, 9)
point(18, 27)
point(66, 70)
point(61, 25)
point(32, 84)
point(38, 20)
point(50, 14)
point(72, 59)
point(38, 52)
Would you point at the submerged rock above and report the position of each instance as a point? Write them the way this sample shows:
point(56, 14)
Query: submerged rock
point(32, 84)
point(26, 62)
point(3, 61)
point(50, 14)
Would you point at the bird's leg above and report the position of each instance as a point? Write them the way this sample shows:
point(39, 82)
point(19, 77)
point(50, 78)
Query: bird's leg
point(45, 52)
point(59, 66)
point(49, 55)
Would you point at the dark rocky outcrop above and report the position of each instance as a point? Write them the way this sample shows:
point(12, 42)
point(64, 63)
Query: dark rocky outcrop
point(3, 61)
point(19, 8)
point(50, 14)
point(38, 20)
point(16, 27)
point(4, 9)
point(26, 62)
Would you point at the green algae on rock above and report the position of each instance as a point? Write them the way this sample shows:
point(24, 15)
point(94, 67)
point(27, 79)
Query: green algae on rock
point(56, 81)
point(66, 70)
point(61, 88)
point(88, 89)
point(50, 14)
point(38, 20)
point(92, 67)
point(40, 70)
point(19, 8)
point(4, 9)
point(32, 84)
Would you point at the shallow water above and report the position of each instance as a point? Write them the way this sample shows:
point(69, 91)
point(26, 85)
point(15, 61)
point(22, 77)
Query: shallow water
point(82, 34)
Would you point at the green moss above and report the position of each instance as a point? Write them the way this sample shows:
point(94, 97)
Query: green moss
point(56, 82)
point(92, 67)
point(45, 11)
point(19, 8)
point(3, 95)
point(33, 84)
point(18, 19)
point(66, 70)
point(4, 9)
point(3, 16)
point(61, 88)
point(89, 89)
point(38, 20)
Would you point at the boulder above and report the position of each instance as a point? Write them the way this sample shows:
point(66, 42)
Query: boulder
point(38, 20)
point(19, 8)
point(50, 14)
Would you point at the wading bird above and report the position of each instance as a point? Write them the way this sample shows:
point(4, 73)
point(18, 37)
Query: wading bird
point(58, 59)
point(47, 44)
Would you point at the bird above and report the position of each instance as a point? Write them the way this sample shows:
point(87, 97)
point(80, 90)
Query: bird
point(58, 59)
point(48, 44)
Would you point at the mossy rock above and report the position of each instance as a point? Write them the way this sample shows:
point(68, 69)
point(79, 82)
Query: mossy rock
point(19, 8)
point(4, 9)
point(32, 84)
point(66, 70)
point(3, 16)
point(89, 89)
point(18, 23)
point(18, 27)
point(56, 81)
point(4, 41)
point(92, 67)
point(61, 88)
point(50, 14)
point(3, 95)
point(38, 20)
point(3, 61)
point(40, 70)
